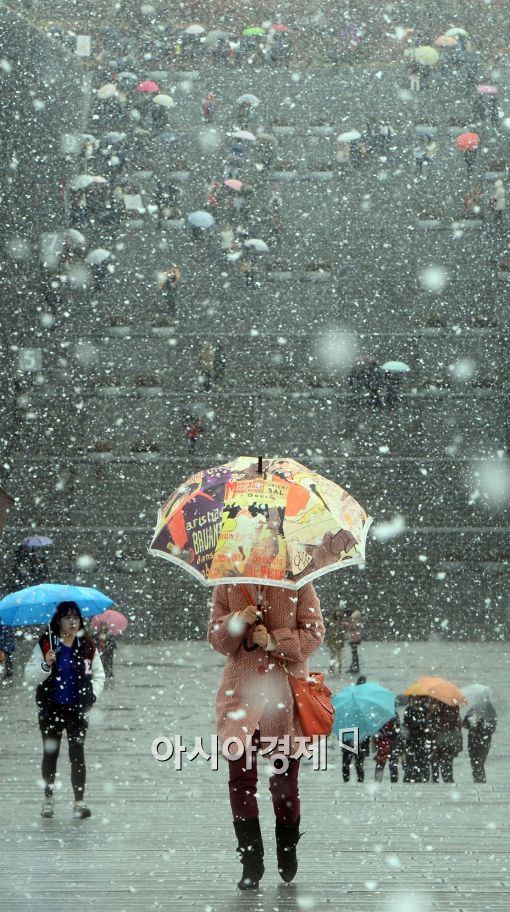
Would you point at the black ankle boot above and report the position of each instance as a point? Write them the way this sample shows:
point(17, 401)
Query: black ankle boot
point(287, 838)
point(251, 850)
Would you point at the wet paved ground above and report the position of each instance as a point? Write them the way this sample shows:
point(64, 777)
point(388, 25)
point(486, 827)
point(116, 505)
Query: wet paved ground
point(160, 838)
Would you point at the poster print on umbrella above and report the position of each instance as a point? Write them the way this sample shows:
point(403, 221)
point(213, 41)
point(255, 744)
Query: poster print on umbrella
point(267, 521)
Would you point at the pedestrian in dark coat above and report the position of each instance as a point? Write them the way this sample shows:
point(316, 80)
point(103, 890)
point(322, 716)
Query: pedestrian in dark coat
point(359, 758)
point(417, 743)
point(106, 646)
point(481, 722)
point(387, 744)
point(445, 739)
point(65, 665)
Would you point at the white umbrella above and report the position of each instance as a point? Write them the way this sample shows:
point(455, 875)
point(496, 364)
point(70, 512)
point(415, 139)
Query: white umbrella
point(350, 136)
point(479, 698)
point(248, 99)
point(166, 101)
point(107, 91)
point(87, 138)
point(216, 35)
point(127, 76)
point(397, 367)
point(99, 255)
point(201, 219)
point(82, 181)
point(257, 244)
point(456, 32)
point(114, 136)
point(75, 236)
point(195, 29)
point(244, 134)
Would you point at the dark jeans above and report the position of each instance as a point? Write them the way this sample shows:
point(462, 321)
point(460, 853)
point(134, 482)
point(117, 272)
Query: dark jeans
point(478, 750)
point(442, 765)
point(359, 760)
point(52, 725)
point(393, 765)
point(355, 658)
point(284, 788)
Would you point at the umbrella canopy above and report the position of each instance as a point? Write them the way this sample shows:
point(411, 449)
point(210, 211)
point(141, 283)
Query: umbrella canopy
point(438, 689)
point(349, 136)
point(217, 35)
point(127, 78)
point(233, 183)
point(37, 541)
point(107, 91)
point(88, 138)
point(280, 28)
point(365, 706)
point(446, 41)
point(397, 367)
point(248, 99)
point(82, 181)
point(166, 101)
point(268, 521)
point(467, 142)
point(75, 237)
point(201, 219)
point(147, 85)
point(244, 134)
point(114, 136)
point(457, 33)
point(168, 136)
point(99, 255)
point(487, 89)
point(37, 604)
point(253, 30)
point(479, 699)
point(116, 621)
point(426, 55)
point(257, 244)
point(195, 29)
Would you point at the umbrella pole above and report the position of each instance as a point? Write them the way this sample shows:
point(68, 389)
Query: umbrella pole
point(259, 470)
point(49, 634)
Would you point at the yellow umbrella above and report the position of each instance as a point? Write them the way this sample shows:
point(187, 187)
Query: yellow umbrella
point(438, 689)
point(426, 55)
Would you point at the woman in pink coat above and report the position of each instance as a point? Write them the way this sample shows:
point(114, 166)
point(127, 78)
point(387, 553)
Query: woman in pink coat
point(255, 701)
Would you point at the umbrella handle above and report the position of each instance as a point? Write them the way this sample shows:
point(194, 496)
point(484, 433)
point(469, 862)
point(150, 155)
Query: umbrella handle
point(249, 648)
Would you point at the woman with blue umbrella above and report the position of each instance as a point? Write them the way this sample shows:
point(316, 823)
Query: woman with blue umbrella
point(66, 667)
point(365, 706)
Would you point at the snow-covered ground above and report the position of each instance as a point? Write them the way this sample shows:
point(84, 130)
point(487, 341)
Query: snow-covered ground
point(163, 839)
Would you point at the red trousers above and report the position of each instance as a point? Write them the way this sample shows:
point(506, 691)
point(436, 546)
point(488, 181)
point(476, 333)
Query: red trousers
point(284, 788)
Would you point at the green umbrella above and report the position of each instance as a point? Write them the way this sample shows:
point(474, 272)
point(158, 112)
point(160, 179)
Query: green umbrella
point(426, 55)
point(254, 30)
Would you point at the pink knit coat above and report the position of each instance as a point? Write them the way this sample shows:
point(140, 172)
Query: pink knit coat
point(254, 691)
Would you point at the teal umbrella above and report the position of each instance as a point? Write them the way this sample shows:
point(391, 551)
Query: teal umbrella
point(364, 706)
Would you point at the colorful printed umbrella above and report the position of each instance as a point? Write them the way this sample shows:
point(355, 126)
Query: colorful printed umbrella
point(438, 689)
point(467, 142)
point(267, 521)
point(426, 55)
point(365, 706)
point(116, 621)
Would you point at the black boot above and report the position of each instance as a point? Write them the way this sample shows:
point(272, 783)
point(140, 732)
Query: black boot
point(251, 850)
point(287, 838)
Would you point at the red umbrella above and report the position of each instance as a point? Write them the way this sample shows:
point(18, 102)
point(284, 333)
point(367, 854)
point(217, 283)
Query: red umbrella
point(467, 142)
point(116, 621)
point(280, 28)
point(148, 85)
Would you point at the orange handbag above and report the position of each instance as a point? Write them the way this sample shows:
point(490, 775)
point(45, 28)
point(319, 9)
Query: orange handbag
point(313, 705)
